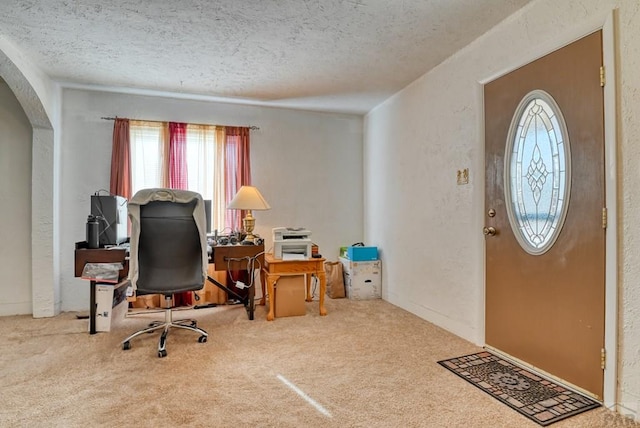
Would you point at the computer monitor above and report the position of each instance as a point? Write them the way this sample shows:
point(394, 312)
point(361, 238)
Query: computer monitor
point(112, 218)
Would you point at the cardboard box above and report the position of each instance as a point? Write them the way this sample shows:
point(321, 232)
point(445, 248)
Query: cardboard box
point(361, 254)
point(362, 280)
point(290, 296)
point(111, 304)
point(361, 288)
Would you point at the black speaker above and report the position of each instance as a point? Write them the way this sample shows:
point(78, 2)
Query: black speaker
point(111, 212)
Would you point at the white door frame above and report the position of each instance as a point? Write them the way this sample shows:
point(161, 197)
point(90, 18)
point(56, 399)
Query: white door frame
point(610, 152)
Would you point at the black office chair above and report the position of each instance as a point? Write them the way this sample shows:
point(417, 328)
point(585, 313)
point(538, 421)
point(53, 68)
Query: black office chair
point(168, 239)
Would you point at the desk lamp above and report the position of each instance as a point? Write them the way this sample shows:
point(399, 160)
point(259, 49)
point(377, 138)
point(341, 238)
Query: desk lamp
point(248, 198)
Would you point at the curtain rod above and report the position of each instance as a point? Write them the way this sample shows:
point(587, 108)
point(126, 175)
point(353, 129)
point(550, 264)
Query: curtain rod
point(252, 127)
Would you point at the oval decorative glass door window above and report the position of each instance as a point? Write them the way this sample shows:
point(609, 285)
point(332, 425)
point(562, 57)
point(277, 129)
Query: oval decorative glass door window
point(537, 172)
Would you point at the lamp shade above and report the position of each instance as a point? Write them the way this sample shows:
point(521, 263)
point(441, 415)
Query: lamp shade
point(248, 198)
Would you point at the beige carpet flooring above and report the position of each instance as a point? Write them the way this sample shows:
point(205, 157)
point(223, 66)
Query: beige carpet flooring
point(366, 364)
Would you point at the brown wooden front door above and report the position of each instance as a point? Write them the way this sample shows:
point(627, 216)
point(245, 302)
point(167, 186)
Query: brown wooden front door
point(545, 291)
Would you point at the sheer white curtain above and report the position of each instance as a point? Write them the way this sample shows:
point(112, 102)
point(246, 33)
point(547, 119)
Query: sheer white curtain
point(147, 154)
point(219, 205)
point(205, 160)
point(201, 145)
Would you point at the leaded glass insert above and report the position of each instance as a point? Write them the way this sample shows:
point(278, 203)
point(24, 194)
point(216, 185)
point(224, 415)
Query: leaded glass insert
point(537, 172)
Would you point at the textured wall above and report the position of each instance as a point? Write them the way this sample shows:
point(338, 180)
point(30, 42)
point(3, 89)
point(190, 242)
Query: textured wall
point(29, 84)
point(307, 165)
point(429, 228)
point(629, 205)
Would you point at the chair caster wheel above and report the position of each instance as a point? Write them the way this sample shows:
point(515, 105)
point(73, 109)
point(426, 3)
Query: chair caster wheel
point(162, 353)
point(202, 339)
point(126, 345)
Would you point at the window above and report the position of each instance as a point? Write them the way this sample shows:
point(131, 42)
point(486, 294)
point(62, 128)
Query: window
point(200, 163)
point(537, 172)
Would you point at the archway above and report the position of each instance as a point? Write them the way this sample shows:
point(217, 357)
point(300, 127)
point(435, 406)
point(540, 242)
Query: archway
point(44, 224)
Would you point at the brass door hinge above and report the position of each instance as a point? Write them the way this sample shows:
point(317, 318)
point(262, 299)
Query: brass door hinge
point(602, 76)
point(604, 218)
point(603, 358)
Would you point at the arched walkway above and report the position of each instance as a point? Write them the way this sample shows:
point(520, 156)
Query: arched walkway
point(44, 224)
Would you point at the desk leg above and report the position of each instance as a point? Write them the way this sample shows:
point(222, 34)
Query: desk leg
point(251, 304)
point(263, 284)
point(322, 278)
point(92, 308)
point(271, 280)
point(308, 278)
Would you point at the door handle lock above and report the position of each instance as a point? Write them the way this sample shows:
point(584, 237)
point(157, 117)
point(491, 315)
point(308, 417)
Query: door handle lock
point(489, 231)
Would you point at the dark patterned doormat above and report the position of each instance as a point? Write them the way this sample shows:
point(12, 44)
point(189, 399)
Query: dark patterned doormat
point(539, 399)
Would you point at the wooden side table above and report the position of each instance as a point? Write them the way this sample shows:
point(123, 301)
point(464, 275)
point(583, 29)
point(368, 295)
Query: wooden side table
point(275, 268)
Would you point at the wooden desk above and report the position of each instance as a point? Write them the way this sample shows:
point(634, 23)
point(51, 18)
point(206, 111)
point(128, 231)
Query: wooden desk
point(237, 257)
point(84, 255)
point(275, 268)
point(223, 256)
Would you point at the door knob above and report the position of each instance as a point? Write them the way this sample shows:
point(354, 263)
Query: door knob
point(489, 231)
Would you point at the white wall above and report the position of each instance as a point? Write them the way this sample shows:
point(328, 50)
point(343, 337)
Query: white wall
point(429, 228)
point(15, 200)
point(307, 165)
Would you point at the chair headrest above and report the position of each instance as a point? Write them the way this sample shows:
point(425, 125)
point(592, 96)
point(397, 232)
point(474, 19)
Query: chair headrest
point(145, 196)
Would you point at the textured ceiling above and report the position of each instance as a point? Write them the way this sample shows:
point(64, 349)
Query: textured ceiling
point(329, 55)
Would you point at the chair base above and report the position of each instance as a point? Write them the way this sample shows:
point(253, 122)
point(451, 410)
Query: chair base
point(165, 326)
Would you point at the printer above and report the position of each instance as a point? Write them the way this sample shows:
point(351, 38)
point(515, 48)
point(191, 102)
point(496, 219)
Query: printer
point(289, 242)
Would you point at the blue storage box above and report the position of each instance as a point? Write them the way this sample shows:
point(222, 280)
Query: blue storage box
point(362, 254)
